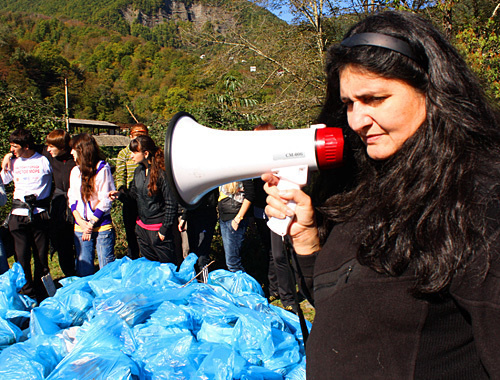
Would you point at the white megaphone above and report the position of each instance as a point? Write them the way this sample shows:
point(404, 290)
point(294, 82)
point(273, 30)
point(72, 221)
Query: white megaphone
point(199, 159)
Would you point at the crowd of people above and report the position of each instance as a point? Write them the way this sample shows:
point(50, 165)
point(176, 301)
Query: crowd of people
point(398, 250)
point(62, 200)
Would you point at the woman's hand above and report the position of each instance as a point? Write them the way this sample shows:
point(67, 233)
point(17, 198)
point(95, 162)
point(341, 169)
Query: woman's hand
point(235, 224)
point(84, 225)
point(302, 230)
point(113, 195)
point(86, 236)
point(162, 237)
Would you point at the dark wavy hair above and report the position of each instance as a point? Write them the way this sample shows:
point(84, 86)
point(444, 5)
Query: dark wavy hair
point(23, 137)
point(156, 160)
point(88, 156)
point(423, 209)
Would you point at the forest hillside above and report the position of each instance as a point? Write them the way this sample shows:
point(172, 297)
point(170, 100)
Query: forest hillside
point(231, 63)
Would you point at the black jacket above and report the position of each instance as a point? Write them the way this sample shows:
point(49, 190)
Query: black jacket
point(159, 208)
point(368, 326)
point(61, 169)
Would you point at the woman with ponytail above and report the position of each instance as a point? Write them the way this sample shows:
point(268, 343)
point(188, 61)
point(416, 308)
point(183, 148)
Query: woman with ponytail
point(90, 182)
point(157, 208)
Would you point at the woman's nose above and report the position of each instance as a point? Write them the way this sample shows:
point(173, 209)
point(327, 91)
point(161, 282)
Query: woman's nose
point(358, 117)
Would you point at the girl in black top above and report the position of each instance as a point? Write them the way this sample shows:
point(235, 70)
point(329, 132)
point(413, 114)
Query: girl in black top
point(157, 209)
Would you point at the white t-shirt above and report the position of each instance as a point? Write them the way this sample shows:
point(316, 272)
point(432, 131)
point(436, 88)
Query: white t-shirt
point(31, 175)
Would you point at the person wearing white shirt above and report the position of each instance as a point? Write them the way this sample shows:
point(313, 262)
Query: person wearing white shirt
point(28, 219)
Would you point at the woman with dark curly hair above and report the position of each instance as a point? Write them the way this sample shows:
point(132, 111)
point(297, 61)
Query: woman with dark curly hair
point(407, 284)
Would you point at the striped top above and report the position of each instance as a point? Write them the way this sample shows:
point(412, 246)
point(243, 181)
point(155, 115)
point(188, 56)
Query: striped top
point(125, 167)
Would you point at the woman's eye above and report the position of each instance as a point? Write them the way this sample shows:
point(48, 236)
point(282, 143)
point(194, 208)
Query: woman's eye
point(374, 99)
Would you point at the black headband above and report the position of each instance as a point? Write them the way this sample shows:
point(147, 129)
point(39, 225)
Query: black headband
point(380, 40)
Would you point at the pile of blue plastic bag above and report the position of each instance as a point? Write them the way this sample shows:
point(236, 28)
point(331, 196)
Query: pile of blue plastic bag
point(139, 319)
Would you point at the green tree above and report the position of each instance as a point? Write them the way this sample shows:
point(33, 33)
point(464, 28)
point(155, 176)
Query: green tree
point(18, 110)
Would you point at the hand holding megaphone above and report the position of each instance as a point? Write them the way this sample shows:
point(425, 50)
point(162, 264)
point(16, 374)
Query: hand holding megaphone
point(199, 159)
point(293, 177)
point(301, 226)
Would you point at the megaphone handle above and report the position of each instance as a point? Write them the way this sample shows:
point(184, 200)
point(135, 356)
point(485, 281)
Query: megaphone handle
point(280, 226)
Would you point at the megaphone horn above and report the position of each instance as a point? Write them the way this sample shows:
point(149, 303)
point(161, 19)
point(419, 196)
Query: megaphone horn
point(198, 158)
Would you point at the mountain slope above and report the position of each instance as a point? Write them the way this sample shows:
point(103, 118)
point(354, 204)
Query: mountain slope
point(121, 14)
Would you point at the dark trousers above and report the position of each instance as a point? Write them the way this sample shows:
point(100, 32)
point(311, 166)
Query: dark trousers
point(129, 212)
point(281, 282)
point(30, 236)
point(153, 248)
point(63, 242)
point(200, 230)
point(61, 233)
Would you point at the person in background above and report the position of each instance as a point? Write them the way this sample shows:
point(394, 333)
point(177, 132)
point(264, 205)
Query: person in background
point(61, 220)
point(4, 264)
point(157, 209)
point(61, 228)
point(199, 224)
point(90, 182)
point(124, 174)
point(406, 285)
point(234, 202)
point(281, 284)
point(29, 219)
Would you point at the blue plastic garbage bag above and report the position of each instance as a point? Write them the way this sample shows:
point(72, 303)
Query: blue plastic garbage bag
point(260, 373)
point(169, 314)
point(287, 352)
point(9, 333)
point(74, 284)
point(160, 328)
point(216, 332)
point(103, 286)
point(33, 359)
point(77, 305)
point(147, 273)
point(171, 356)
point(97, 363)
point(14, 307)
point(106, 330)
point(132, 305)
point(186, 271)
point(292, 322)
point(207, 303)
point(103, 351)
point(299, 372)
point(59, 312)
point(235, 282)
point(42, 324)
point(253, 339)
point(222, 363)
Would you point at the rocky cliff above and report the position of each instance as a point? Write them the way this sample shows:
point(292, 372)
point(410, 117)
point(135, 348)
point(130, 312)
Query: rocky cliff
point(178, 11)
